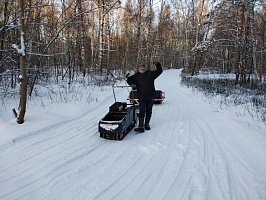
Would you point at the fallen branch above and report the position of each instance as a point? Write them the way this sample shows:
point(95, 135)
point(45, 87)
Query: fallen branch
point(15, 112)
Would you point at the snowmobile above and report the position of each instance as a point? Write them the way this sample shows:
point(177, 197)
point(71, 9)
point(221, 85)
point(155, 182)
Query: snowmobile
point(158, 97)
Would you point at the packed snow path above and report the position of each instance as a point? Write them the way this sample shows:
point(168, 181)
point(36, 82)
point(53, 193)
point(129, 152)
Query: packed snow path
point(194, 151)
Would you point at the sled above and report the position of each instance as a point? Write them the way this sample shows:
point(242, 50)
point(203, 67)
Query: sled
point(158, 97)
point(120, 119)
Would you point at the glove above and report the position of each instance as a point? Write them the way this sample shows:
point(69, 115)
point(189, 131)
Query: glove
point(133, 86)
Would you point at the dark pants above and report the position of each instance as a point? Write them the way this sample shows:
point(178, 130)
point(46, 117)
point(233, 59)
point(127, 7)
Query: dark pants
point(145, 106)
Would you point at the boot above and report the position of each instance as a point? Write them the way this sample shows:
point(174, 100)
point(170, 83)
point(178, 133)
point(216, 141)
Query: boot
point(140, 129)
point(147, 122)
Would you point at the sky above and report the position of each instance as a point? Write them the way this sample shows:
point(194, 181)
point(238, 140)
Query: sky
point(196, 149)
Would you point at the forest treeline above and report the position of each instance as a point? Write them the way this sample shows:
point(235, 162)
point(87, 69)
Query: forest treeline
point(60, 39)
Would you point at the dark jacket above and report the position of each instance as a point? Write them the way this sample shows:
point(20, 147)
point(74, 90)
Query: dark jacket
point(145, 81)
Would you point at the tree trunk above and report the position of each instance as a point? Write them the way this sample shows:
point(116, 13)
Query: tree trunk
point(22, 61)
point(3, 31)
point(101, 36)
point(254, 46)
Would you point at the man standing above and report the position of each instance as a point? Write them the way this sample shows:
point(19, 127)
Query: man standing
point(143, 81)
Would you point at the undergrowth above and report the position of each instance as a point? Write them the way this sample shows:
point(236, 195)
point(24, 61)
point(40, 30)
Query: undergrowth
point(250, 96)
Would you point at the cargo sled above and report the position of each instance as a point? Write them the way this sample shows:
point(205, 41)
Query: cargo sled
point(120, 119)
point(158, 97)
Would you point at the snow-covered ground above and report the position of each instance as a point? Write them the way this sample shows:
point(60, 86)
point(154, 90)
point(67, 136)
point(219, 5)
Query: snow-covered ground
point(195, 150)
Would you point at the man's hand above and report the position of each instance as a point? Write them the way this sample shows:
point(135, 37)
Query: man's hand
point(133, 86)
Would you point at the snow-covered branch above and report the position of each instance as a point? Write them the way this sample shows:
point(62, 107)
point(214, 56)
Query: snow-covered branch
point(22, 50)
point(201, 46)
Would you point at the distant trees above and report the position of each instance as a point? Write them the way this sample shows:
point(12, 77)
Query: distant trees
point(234, 41)
point(67, 38)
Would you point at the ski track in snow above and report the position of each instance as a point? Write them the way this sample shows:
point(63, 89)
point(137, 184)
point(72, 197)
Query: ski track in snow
point(184, 156)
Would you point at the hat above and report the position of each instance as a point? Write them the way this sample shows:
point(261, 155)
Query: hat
point(142, 65)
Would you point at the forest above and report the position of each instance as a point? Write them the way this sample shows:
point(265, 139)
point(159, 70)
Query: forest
point(53, 40)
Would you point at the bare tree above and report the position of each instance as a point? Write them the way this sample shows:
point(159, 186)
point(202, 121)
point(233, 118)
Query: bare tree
point(23, 75)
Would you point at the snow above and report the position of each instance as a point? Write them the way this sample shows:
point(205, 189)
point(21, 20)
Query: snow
point(195, 150)
point(110, 126)
point(21, 50)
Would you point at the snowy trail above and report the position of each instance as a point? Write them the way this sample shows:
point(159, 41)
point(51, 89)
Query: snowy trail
point(194, 151)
